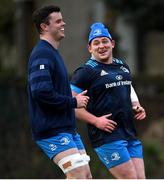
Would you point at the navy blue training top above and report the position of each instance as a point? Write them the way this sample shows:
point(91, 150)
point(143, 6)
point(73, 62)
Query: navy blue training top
point(51, 105)
point(109, 90)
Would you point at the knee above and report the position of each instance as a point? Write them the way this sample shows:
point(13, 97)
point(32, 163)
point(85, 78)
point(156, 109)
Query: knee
point(88, 175)
point(129, 175)
point(124, 174)
point(132, 174)
point(141, 176)
point(87, 172)
point(79, 173)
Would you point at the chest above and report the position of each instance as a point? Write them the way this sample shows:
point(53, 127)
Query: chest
point(59, 69)
point(111, 76)
point(59, 75)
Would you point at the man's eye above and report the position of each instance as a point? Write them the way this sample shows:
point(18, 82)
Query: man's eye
point(104, 42)
point(95, 43)
point(58, 21)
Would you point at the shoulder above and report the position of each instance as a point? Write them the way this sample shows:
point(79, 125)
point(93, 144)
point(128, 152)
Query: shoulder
point(43, 52)
point(91, 63)
point(88, 67)
point(41, 57)
point(85, 73)
point(43, 49)
point(120, 62)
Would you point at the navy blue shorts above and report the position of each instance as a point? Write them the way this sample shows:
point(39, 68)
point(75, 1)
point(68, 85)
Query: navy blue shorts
point(118, 152)
point(62, 142)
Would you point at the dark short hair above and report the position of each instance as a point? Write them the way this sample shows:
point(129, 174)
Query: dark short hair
point(42, 15)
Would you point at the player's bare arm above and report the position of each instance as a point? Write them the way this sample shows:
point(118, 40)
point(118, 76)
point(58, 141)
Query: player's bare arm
point(103, 122)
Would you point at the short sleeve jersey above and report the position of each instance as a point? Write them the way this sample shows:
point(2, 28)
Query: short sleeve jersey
point(109, 89)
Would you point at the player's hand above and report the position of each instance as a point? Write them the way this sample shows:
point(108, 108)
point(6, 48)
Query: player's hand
point(105, 124)
point(140, 113)
point(82, 99)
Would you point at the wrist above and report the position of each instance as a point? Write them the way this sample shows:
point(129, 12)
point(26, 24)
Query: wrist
point(95, 122)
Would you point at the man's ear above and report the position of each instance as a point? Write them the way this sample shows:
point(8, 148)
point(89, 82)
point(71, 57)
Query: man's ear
point(89, 48)
point(43, 27)
point(113, 43)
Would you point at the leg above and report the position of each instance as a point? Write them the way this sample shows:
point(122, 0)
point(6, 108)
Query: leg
point(124, 171)
point(63, 149)
point(82, 151)
point(79, 171)
point(116, 158)
point(136, 153)
point(87, 168)
point(139, 166)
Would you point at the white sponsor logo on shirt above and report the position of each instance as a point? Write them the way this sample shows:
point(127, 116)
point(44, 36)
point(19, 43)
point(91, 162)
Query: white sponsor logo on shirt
point(124, 69)
point(103, 73)
point(42, 66)
point(119, 77)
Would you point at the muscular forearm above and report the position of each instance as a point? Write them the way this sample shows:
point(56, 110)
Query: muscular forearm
point(104, 122)
point(83, 115)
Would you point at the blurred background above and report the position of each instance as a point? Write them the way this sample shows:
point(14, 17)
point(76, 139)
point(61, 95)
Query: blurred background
point(138, 28)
